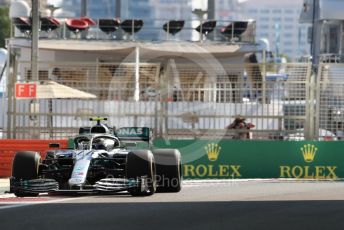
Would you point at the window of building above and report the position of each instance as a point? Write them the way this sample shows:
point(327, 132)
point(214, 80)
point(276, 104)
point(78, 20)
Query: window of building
point(334, 44)
point(330, 41)
point(263, 35)
point(288, 35)
point(264, 27)
point(288, 51)
point(288, 11)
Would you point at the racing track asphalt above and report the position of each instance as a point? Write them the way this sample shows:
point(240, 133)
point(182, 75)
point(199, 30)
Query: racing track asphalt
point(225, 205)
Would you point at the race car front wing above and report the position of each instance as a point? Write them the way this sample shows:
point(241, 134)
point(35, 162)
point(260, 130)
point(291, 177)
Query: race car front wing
point(107, 185)
point(33, 186)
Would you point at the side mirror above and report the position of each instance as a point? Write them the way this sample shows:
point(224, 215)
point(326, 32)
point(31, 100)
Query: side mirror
point(54, 145)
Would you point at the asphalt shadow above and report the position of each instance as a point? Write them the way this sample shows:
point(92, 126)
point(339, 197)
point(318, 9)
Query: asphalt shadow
point(184, 215)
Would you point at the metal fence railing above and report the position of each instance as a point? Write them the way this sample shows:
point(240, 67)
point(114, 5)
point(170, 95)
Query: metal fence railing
point(177, 100)
point(330, 92)
point(183, 100)
point(272, 97)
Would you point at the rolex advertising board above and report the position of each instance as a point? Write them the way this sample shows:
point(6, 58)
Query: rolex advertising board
point(226, 159)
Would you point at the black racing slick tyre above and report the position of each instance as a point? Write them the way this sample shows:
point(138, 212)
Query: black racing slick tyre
point(141, 167)
point(25, 167)
point(168, 170)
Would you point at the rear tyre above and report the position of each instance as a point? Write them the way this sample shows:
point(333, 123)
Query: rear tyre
point(141, 164)
point(168, 168)
point(25, 167)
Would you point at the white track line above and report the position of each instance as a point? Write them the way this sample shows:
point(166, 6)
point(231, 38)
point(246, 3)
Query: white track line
point(219, 182)
point(28, 203)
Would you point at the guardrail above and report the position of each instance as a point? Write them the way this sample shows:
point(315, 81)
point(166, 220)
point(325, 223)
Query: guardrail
point(224, 159)
point(221, 159)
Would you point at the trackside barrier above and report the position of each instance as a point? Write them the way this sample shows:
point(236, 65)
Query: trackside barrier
point(8, 148)
point(211, 159)
point(225, 159)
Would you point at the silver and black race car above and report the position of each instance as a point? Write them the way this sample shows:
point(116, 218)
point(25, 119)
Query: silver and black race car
point(103, 160)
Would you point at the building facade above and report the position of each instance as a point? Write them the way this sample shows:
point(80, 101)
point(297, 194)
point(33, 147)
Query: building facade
point(327, 38)
point(277, 22)
point(4, 2)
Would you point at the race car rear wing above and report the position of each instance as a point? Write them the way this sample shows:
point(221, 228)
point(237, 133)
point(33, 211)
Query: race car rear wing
point(134, 134)
point(126, 133)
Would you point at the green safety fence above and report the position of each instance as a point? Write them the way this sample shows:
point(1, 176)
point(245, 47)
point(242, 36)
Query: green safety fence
point(211, 159)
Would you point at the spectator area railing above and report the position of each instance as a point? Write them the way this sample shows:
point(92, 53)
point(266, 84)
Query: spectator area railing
point(184, 100)
point(180, 100)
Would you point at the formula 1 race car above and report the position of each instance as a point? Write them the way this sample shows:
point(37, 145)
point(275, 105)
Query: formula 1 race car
point(103, 160)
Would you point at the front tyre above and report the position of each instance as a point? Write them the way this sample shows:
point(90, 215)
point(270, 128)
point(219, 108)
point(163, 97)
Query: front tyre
point(141, 167)
point(168, 168)
point(25, 167)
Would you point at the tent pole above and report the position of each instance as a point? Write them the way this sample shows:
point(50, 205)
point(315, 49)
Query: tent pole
point(137, 74)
